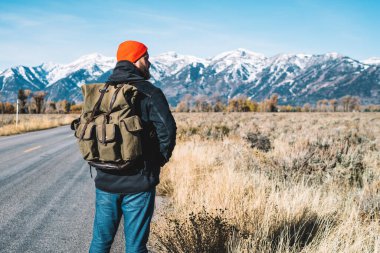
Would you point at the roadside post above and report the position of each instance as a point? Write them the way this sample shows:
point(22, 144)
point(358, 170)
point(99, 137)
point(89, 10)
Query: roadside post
point(17, 113)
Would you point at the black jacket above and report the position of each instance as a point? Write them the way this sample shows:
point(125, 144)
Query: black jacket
point(158, 135)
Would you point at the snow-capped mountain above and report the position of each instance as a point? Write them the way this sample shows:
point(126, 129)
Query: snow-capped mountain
point(60, 81)
point(94, 64)
point(297, 78)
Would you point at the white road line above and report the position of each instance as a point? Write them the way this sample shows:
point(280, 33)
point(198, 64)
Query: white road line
point(31, 149)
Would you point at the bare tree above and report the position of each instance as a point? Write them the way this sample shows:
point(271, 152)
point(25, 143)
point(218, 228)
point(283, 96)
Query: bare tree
point(2, 96)
point(306, 107)
point(201, 104)
point(324, 103)
point(185, 104)
point(22, 97)
point(354, 104)
point(50, 107)
point(39, 99)
point(273, 101)
point(333, 105)
point(68, 107)
point(182, 107)
point(61, 106)
point(345, 101)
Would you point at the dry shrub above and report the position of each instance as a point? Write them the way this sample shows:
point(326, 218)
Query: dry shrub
point(216, 132)
point(201, 232)
point(259, 141)
point(369, 202)
point(213, 132)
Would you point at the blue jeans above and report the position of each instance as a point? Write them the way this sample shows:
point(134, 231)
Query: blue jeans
point(137, 210)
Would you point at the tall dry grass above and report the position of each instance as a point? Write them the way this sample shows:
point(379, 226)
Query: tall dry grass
point(248, 182)
point(32, 122)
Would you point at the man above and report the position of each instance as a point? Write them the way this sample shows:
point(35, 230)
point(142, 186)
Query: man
point(131, 193)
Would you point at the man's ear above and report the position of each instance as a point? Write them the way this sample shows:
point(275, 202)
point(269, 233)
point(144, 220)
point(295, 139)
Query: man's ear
point(137, 63)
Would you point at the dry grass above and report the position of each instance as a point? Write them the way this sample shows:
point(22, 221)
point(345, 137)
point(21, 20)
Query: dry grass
point(32, 122)
point(272, 183)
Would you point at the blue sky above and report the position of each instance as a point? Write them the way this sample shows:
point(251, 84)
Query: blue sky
point(36, 31)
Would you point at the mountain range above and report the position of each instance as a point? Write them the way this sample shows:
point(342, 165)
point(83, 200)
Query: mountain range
point(296, 78)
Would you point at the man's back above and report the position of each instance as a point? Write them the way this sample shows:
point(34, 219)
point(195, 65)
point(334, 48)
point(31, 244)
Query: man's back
point(130, 193)
point(158, 137)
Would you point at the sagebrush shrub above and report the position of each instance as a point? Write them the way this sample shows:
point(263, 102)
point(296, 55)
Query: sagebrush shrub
point(201, 232)
point(259, 141)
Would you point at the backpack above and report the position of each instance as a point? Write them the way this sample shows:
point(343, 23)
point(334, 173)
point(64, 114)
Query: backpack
point(109, 130)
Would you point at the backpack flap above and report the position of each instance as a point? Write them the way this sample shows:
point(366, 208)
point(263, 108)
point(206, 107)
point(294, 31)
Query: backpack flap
point(91, 95)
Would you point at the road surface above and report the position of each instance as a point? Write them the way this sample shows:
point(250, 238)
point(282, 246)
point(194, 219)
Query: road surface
point(46, 194)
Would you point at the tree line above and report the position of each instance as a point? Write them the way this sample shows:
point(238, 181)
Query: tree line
point(36, 103)
point(244, 104)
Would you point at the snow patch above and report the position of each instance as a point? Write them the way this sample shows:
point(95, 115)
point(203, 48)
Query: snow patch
point(21, 70)
point(8, 73)
point(372, 61)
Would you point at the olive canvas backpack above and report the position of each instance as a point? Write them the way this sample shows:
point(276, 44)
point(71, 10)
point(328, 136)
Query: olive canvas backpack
point(109, 130)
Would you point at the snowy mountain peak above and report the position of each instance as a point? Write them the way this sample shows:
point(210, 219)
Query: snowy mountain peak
point(94, 57)
point(239, 53)
point(170, 57)
point(290, 56)
point(49, 66)
point(372, 61)
point(7, 73)
point(170, 63)
point(95, 64)
point(245, 52)
point(300, 60)
point(170, 54)
point(333, 55)
point(87, 61)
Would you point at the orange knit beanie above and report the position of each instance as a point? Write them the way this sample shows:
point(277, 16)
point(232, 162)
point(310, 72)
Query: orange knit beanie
point(130, 51)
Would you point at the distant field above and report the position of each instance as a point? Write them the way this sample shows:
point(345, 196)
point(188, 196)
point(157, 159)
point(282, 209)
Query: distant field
point(272, 182)
point(32, 122)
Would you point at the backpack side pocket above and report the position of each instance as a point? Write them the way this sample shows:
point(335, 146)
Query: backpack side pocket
point(88, 145)
point(130, 129)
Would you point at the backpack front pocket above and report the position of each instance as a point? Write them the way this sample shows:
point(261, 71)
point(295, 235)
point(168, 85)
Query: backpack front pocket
point(109, 142)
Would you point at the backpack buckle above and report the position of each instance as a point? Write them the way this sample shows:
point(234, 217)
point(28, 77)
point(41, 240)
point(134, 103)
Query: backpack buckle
point(104, 90)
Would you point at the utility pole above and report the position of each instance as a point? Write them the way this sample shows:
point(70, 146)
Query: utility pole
point(17, 112)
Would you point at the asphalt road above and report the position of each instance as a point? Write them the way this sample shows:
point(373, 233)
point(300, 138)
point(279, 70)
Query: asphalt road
point(46, 194)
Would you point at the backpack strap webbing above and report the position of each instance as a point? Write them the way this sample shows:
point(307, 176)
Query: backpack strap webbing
point(96, 108)
point(107, 115)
